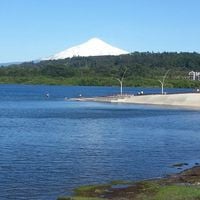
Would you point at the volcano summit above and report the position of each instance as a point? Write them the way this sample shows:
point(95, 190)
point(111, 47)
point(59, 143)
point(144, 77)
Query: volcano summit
point(93, 47)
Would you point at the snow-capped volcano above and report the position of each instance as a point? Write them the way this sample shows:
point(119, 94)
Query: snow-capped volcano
point(93, 47)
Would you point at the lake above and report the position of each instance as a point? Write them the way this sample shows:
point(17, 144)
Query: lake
point(50, 146)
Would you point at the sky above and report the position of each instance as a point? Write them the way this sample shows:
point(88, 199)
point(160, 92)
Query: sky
point(33, 29)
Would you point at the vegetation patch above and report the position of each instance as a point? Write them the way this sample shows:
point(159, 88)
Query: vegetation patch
point(143, 69)
point(92, 190)
point(181, 186)
point(178, 193)
point(79, 198)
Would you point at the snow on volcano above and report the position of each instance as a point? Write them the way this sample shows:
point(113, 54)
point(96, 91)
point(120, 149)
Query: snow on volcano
point(93, 47)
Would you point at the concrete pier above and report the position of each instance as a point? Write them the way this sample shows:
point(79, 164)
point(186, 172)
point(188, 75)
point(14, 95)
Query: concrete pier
point(183, 99)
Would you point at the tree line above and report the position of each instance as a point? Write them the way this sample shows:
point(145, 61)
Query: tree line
point(143, 69)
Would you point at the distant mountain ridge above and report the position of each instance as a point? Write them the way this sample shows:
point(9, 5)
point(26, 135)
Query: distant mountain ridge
point(10, 63)
point(93, 47)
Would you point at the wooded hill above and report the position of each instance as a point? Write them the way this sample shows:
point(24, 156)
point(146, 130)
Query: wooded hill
point(143, 69)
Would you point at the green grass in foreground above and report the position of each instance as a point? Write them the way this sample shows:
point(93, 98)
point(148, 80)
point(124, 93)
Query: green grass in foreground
point(79, 198)
point(147, 191)
point(91, 190)
point(173, 192)
point(178, 193)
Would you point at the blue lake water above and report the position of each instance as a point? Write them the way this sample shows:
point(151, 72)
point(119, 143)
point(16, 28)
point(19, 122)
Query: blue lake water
point(49, 146)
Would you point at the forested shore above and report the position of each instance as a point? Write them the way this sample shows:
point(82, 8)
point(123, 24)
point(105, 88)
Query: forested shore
point(142, 69)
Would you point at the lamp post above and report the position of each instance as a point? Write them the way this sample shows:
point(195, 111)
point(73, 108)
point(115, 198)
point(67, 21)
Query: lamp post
point(121, 81)
point(121, 85)
point(163, 81)
point(162, 85)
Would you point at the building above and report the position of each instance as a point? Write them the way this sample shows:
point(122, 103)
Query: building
point(195, 76)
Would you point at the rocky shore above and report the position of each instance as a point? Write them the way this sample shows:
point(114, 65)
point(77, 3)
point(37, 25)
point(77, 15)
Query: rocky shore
point(180, 186)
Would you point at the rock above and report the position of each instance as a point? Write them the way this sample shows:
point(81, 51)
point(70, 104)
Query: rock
point(179, 164)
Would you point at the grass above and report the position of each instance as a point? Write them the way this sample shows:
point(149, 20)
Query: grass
point(91, 190)
point(173, 192)
point(148, 186)
point(182, 186)
point(79, 198)
point(178, 193)
point(147, 191)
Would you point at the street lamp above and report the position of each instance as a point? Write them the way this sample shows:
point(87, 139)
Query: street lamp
point(121, 81)
point(163, 82)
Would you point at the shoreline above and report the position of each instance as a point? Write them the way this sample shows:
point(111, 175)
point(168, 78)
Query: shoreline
point(183, 185)
point(190, 100)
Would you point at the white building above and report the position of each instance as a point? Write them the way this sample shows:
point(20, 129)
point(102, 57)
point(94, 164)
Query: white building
point(195, 76)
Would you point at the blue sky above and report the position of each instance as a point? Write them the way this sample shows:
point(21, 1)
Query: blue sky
point(31, 29)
